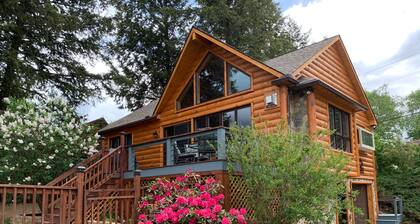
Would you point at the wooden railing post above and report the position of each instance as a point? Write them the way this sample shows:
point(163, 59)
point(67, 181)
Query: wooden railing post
point(123, 155)
point(137, 192)
point(80, 199)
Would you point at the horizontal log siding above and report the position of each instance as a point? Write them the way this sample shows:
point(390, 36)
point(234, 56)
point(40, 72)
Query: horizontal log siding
point(367, 158)
point(330, 68)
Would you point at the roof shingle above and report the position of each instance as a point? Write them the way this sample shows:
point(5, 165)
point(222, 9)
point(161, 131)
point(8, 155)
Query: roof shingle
point(137, 115)
point(289, 62)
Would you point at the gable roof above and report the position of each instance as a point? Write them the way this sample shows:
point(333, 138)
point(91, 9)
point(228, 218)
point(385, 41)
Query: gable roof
point(141, 114)
point(288, 63)
point(199, 35)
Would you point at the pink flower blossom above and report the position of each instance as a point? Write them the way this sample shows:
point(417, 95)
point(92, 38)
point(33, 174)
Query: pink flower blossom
point(225, 220)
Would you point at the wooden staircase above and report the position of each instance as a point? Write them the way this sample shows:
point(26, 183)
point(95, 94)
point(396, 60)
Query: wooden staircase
point(103, 188)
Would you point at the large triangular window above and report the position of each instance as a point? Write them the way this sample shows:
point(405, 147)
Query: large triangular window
point(210, 79)
point(213, 79)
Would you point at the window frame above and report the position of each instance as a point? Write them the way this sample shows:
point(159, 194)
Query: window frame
point(195, 79)
point(221, 117)
point(334, 135)
point(227, 80)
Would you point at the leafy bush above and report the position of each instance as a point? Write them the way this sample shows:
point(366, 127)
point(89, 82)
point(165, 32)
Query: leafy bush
point(39, 141)
point(188, 199)
point(399, 174)
point(290, 177)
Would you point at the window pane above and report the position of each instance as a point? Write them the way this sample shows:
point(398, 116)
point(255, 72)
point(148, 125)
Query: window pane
point(182, 128)
point(169, 131)
point(128, 139)
point(346, 129)
point(115, 142)
point(331, 111)
point(201, 123)
point(337, 121)
point(187, 97)
point(238, 81)
point(177, 129)
point(244, 116)
point(228, 118)
point(210, 79)
point(214, 120)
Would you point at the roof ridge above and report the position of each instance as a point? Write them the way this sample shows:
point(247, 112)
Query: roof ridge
point(307, 46)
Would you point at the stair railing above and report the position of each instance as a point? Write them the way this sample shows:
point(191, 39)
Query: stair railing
point(70, 174)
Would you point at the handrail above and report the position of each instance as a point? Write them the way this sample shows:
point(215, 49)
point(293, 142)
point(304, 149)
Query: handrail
point(71, 173)
point(103, 158)
point(190, 134)
point(36, 187)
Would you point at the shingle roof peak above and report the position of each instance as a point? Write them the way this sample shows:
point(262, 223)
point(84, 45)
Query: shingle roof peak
point(288, 63)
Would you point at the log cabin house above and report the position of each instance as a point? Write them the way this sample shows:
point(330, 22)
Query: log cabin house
point(212, 86)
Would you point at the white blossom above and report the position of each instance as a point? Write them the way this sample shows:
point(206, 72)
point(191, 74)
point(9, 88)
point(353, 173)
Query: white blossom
point(20, 141)
point(48, 167)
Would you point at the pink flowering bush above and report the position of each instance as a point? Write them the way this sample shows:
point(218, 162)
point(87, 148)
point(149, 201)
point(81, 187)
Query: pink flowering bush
point(188, 199)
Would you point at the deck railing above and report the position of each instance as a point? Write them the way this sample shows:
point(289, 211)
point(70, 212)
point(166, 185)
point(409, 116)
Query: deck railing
point(205, 145)
point(38, 204)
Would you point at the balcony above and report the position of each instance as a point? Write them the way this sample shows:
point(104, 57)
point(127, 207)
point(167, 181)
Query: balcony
point(200, 151)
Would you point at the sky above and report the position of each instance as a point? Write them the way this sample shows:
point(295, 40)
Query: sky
point(382, 38)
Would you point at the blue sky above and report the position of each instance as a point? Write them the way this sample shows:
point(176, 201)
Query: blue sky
point(381, 37)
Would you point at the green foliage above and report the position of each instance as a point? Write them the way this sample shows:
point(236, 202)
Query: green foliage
point(306, 177)
point(413, 120)
point(149, 37)
point(39, 141)
point(387, 110)
point(398, 161)
point(399, 174)
point(42, 44)
point(256, 27)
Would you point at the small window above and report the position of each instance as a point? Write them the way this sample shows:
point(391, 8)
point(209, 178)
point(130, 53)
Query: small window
point(240, 116)
point(208, 121)
point(186, 98)
point(114, 142)
point(210, 79)
point(366, 139)
point(340, 126)
point(237, 80)
point(178, 129)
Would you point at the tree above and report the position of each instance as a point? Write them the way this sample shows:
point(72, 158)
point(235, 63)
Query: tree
point(43, 44)
point(388, 113)
point(399, 174)
point(397, 160)
point(290, 177)
point(149, 37)
point(413, 115)
point(256, 27)
point(39, 141)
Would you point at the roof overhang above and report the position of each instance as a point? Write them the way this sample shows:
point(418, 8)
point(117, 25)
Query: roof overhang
point(316, 83)
point(126, 125)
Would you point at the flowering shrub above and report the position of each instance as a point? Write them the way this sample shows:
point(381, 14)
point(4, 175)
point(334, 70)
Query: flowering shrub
point(187, 199)
point(39, 141)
